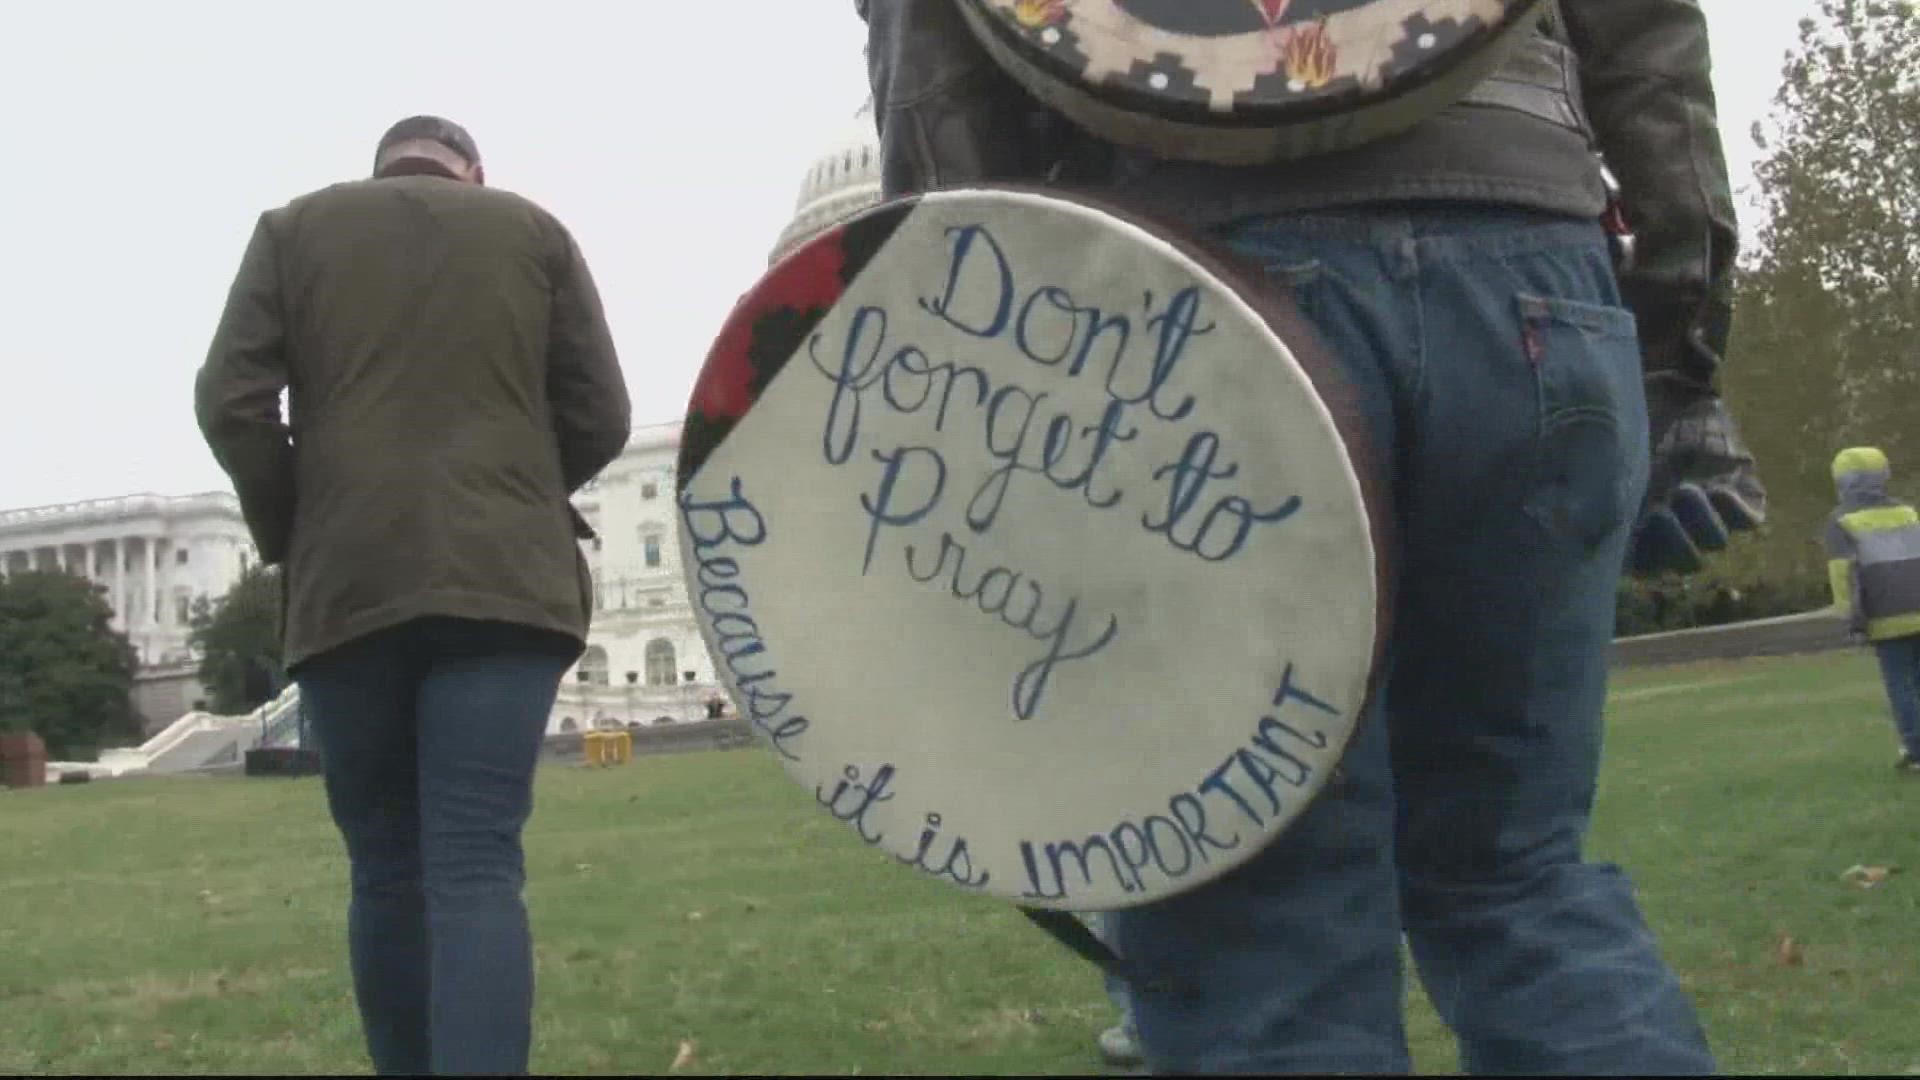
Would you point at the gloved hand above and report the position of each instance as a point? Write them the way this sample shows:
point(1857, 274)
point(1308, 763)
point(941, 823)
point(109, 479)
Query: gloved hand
point(1703, 486)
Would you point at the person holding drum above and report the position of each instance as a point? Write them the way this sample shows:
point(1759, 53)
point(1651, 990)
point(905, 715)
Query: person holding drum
point(1547, 415)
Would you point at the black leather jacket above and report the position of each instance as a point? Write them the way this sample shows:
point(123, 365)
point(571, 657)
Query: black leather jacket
point(1626, 78)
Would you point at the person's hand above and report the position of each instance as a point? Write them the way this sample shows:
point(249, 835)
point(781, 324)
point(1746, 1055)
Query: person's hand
point(1702, 486)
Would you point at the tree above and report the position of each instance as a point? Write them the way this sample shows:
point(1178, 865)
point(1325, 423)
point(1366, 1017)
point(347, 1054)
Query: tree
point(238, 639)
point(65, 673)
point(1826, 349)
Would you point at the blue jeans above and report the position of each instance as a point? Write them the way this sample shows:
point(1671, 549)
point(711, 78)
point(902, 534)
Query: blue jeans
point(1501, 379)
point(1900, 669)
point(429, 734)
point(1101, 925)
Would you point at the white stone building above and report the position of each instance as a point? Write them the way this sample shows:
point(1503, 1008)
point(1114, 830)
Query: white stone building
point(843, 182)
point(154, 555)
point(645, 661)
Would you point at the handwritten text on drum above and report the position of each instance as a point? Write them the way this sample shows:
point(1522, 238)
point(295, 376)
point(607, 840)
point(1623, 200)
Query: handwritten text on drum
point(731, 524)
point(853, 798)
point(1249, 785)
point(907, 378)
point(1061, 337)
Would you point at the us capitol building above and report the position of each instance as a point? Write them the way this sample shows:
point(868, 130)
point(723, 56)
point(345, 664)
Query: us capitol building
point(154, 555)
point(645, 662)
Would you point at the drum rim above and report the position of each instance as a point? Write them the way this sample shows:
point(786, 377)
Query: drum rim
point(1280, 314)
point(1000, 37)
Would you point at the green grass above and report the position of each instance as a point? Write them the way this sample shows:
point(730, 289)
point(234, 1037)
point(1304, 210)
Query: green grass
point(174, 925)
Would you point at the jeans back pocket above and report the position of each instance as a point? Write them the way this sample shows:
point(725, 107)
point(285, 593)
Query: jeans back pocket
point(1592, 463)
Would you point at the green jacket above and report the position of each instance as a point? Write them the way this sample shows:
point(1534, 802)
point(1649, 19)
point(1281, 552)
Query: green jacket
point(450, 381)
point(1630, 79)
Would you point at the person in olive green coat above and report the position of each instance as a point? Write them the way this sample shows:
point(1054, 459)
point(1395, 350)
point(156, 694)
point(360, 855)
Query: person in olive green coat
point(450, 381)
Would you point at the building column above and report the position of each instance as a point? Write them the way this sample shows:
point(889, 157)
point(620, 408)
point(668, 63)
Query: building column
point(151, 602)
point(120, 583)
point(93, 561)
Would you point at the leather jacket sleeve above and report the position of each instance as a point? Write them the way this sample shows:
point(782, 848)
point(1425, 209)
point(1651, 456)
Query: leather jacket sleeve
point(951, 116)
point(1645, 71)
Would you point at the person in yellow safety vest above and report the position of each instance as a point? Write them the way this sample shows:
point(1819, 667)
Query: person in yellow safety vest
point(1873, 562)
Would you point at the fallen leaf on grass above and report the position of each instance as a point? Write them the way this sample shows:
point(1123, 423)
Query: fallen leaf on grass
point(684, 1058)
point(1868, 877)
point(1789, 953)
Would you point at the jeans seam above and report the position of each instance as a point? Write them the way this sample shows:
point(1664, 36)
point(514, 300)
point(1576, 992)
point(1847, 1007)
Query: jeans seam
point(1417, 362)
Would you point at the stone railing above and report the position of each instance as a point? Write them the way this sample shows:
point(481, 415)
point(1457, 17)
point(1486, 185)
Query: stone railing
point(279, 721)
point(725, 734)
point(118, 507)
point(1807, 632)
point(244, 732)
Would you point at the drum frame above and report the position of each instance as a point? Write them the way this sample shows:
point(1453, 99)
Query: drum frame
point(1267, 302)
point(1187, 133)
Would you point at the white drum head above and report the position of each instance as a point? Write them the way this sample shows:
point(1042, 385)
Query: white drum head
point(1032, 549)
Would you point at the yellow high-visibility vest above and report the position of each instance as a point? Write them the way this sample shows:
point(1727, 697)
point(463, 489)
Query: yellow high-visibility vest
point(1873, 568)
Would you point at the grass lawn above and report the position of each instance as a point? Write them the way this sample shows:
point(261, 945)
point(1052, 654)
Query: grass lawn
point(196, 925)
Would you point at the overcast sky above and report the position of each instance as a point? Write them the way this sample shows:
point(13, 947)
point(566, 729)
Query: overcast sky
point(144, 138)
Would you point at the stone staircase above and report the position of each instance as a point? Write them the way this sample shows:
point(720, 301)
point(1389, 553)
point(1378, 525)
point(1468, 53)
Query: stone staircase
point(197, 742)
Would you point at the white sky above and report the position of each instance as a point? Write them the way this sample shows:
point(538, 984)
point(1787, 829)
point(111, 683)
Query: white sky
point(144, 138)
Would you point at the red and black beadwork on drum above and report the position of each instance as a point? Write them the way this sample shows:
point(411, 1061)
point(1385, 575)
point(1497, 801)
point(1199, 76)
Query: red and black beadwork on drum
point(1248, 81)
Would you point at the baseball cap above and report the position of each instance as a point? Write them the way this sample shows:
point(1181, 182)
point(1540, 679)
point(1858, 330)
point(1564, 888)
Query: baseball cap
point(435, 128)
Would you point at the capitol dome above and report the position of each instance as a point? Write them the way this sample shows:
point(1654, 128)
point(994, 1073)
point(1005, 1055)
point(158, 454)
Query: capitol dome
point(844, 181)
